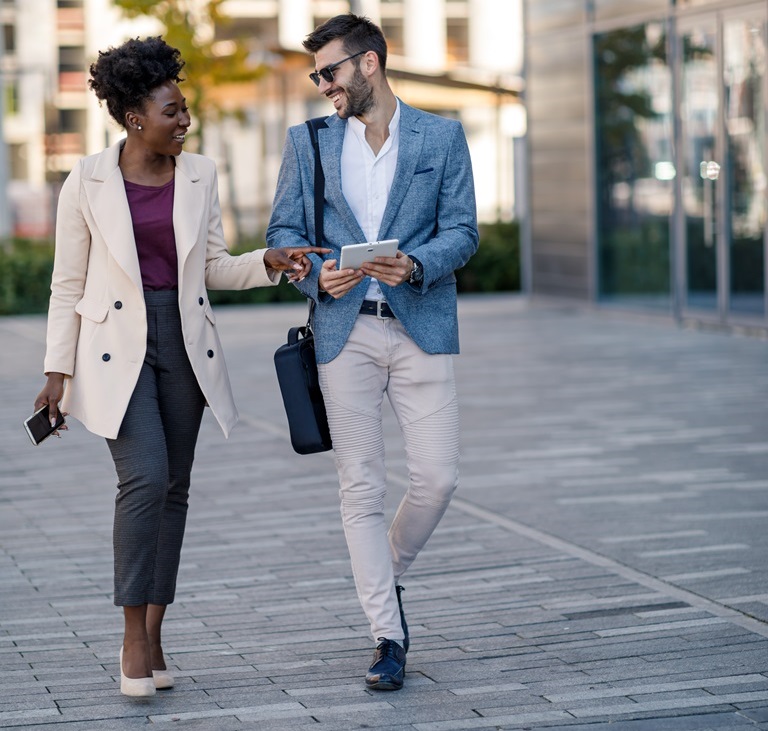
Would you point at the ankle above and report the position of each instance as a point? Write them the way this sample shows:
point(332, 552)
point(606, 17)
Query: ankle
point(135, 659)
point(156, 655)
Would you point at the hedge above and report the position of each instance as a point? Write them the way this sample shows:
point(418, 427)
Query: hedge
point(25, 276)
point(26, 266)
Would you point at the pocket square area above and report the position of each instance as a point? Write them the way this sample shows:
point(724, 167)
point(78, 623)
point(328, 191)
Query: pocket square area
point(425, 170)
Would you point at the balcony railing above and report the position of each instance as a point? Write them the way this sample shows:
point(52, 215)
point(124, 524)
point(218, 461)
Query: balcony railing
point(64, 143)
point(70, 81)
point(70, 19)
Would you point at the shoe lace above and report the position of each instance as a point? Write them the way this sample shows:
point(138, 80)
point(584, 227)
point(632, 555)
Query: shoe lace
point(387, 648)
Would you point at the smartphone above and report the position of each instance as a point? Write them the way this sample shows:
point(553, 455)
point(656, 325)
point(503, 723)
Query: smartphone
point(353, 256)
point(39, 427)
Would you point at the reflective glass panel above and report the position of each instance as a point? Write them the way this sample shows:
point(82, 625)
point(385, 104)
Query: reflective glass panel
point(608, 9)
point(635, 164)
point(744, 64)
point(698, 111)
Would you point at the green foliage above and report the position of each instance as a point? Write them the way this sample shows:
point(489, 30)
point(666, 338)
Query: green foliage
point(623, 95)
point(635, 259)
point(494, 268)
point(25, 276)
point(209, 64)
point(26, 267)
point(496, 265)
point(284, 292)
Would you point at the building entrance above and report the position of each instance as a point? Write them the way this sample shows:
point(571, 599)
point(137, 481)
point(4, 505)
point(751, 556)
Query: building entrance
point(721, 190)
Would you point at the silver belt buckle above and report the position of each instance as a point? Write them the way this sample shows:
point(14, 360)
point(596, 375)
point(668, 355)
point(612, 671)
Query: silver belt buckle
point(379, 306)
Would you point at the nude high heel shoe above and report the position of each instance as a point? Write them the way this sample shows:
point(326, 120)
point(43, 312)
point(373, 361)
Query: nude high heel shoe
point(137, 687)
point(163, 679)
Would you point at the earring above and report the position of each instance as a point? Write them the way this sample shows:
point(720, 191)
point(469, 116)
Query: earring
point(140, 127)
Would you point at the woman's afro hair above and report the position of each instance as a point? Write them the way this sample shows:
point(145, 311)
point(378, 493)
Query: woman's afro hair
point(126, 76)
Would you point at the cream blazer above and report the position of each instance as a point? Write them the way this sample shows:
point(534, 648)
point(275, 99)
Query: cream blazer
point(97, 325)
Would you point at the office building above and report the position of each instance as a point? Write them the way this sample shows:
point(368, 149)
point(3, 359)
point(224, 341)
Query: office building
point(455, 57)
point(647, 155)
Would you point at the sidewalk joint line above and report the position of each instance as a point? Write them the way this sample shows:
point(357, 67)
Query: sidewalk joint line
point(696, 600)
point(734, 616)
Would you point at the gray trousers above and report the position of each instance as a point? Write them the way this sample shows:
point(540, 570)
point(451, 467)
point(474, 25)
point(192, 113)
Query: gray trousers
point(153, 456)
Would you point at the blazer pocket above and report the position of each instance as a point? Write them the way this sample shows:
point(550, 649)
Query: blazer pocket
point(421, 172)
point(92, 310)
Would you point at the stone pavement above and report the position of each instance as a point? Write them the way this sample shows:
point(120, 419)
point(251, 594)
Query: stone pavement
point(604, 564)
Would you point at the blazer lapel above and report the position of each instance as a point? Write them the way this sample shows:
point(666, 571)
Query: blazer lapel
point(189, 203)
point(105, 192)
point(331, 141)
point(411, 141)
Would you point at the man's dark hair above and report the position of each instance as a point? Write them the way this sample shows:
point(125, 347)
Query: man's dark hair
point(356, 32)
point(126, 76)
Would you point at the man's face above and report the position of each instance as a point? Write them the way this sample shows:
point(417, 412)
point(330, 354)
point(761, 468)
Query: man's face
point(350, 91)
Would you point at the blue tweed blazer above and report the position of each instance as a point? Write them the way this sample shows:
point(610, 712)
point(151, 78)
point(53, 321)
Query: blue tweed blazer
point(431, 210)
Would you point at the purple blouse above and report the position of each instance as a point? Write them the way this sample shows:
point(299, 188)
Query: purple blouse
point(152, 215)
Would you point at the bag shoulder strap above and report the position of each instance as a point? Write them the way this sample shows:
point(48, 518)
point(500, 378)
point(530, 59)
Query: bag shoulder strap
point(313, 125)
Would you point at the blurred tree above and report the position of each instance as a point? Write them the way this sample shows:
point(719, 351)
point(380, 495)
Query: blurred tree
point(191, 26)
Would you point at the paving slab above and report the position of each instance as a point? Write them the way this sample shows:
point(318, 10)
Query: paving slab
point(603, 564)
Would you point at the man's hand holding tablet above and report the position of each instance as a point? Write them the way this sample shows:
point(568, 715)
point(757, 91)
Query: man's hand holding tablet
point(353, 256)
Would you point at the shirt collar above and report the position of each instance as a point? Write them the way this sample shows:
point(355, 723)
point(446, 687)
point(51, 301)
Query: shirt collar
point(358, 127)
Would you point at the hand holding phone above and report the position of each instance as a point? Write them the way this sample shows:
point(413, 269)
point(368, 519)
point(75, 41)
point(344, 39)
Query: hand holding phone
point(39, 427)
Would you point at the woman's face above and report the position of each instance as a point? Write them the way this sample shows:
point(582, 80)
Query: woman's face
point(164, 120)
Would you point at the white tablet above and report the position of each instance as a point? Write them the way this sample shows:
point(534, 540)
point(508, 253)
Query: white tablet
point(354, 255)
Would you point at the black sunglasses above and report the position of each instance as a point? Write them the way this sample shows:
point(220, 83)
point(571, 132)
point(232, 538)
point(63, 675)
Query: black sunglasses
point(327, 71)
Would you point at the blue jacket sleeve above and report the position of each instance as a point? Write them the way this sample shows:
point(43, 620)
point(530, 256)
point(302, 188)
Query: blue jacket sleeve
point(288, 222)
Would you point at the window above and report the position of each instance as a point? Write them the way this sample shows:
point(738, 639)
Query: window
point(457, 40)
point(393, 32)
point(17, 161)
point(71, 58)
point(71, 120)
point(11, 96)
point(635, 164)
point(9, 38)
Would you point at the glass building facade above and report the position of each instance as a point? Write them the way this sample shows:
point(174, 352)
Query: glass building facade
point(663, 153)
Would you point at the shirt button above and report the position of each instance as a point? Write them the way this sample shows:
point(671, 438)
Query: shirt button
point(210, 354)
point(118, 304)
point(106, 357)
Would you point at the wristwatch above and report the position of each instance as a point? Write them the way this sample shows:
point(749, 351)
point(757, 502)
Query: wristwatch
point(417, 273)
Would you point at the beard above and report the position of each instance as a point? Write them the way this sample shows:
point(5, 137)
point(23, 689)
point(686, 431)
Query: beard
point(359, 95)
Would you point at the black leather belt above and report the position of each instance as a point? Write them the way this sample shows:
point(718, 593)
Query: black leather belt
point(379, 308)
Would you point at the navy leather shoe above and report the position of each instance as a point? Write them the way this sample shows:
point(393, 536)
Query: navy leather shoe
point(387, 670)
point(406, 639)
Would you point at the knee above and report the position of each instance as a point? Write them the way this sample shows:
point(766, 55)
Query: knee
point(362, 485)
point(148, 485)
point(178, 487)
point(432, 483)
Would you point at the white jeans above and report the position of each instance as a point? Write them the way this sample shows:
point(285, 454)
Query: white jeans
point(379, 357)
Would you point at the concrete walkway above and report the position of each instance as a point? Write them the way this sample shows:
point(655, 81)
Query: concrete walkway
point(604, 564)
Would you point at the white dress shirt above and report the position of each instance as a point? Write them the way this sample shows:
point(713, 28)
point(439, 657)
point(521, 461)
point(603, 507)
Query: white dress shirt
point(366, 179)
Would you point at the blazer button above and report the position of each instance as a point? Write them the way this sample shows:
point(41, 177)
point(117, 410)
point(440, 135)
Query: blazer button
point(118, 304)
point(210, 354)
point(106, 357)
point(200, 301)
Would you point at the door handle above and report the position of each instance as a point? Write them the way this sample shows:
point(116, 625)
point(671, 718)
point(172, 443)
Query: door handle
point(709, 170)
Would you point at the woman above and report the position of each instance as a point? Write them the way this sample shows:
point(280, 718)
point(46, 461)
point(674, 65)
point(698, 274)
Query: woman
point(130, 329)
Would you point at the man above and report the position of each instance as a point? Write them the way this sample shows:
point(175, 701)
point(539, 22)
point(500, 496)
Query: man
point(391, 172)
